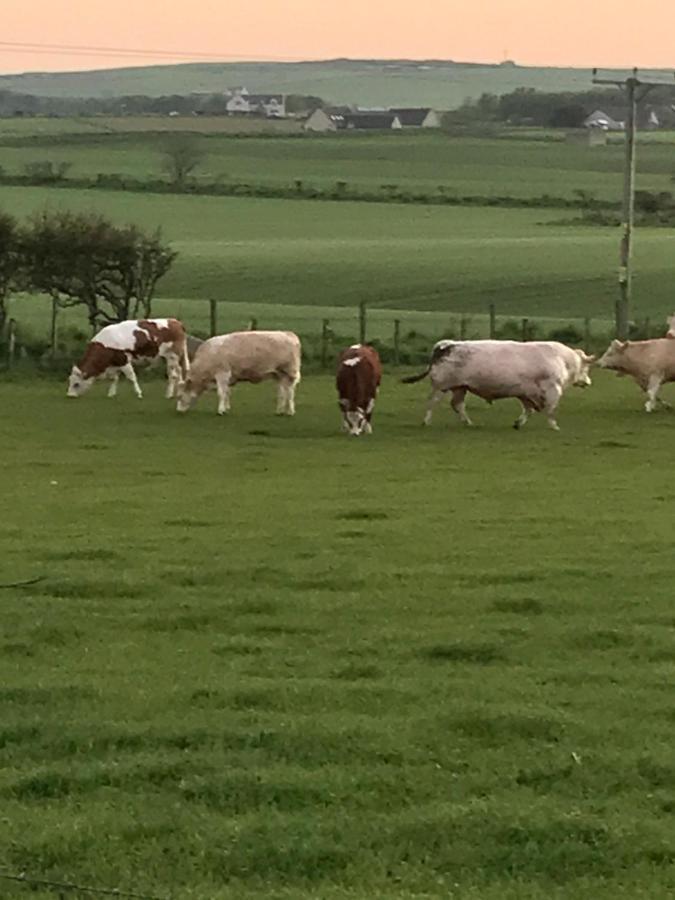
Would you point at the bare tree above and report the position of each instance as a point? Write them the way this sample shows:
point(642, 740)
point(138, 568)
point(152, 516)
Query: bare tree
point(182, 155)
point(84, 260)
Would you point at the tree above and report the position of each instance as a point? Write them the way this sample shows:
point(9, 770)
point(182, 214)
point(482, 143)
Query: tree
point(85, 260)
point(10, 262)
point(181, 157)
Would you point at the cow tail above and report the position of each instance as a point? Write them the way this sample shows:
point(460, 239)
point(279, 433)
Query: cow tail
point(412, 379)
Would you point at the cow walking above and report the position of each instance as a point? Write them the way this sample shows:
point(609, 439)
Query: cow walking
point(358, 378)
point(244, 356)
point(117, 347)
point(649, 363)
point(536, 373)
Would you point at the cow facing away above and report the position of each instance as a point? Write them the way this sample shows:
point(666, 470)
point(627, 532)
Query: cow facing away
point(536, 373)
point(358, 378)
point(244, 356)
point(649, 363)
point(115, 349)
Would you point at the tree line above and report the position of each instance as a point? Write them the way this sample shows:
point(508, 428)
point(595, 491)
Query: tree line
point(527, 106)
point(82, 259)
point(13, 103)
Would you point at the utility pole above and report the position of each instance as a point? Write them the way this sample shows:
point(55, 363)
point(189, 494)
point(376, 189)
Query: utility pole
point(636, 90)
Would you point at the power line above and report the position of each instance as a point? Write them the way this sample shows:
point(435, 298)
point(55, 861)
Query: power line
point(84, 49)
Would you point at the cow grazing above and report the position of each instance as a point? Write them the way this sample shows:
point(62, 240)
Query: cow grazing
point(536, 373)
point(649, 363)
point(117, 347)
point(244, 356)
point(358, 378)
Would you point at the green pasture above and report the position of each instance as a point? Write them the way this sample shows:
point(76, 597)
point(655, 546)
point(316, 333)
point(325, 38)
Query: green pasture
point(401, 259)
point(437, 83)
point(485, 167)
point(263, 659)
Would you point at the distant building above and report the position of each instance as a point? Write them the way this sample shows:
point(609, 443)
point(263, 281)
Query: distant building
point(241, 102)
point(602, 121)
point(413, 117)
point(327, 120)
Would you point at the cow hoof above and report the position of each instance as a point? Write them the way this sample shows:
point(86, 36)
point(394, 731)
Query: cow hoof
point(517, 425)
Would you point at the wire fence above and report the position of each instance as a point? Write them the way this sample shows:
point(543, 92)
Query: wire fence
point(64, 889)
point(39, 329)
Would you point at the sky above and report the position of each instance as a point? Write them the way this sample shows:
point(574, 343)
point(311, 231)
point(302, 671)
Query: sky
point(583, 33)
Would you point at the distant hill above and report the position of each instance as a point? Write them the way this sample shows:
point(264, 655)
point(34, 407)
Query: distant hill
point(437, 83)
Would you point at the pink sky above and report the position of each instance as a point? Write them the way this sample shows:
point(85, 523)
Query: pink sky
point(533, 32)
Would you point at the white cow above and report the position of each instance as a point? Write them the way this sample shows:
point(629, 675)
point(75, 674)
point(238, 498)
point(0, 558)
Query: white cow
point(244, 356)
point(536, 373)
point(650, 364)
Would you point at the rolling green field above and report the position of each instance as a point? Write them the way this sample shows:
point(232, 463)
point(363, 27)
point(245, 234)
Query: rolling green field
point(485, 167)
point(266, 256)
point(267, 660)
point(441, 84)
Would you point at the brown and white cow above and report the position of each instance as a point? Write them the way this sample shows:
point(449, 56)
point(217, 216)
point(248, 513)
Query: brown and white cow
point(244, 356)
point(358, 379)
point(117, 347)
point(649, 363)
point(536, 373)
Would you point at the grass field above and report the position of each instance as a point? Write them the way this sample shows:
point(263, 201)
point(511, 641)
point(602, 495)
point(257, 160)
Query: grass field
point(444, 85)
point(485, 167)
point(266, 660)
point(399, 259)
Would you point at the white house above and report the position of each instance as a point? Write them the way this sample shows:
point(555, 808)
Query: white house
point(601, 120)
point(241, 102)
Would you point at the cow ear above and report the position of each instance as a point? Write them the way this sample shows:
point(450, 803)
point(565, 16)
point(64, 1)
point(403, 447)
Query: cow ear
point(590, 359)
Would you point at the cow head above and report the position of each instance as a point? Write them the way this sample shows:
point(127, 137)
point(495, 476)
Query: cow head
point(187, 396)
point(78, 383)
point(613, 357)
point(583, 378)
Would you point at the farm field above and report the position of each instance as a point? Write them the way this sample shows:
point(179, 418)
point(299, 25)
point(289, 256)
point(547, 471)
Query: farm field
point(266, 660)
point(265, 256)
point(485, 167)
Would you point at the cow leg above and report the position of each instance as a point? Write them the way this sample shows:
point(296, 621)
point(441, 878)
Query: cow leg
point(367, 426)
point(114, 379)
point(290, 388)
point(653, 387)
point(552, 397)
point(525, 414)
point(457, 403)
point(223, 388)
point(282, 396)
point(128, 372)
point(173, 375)
point(436, 395)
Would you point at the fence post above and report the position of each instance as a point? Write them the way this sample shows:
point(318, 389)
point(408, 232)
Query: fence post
point(214, 317)
point(524, 329)
point(587, 334)
point(253, 324)
point(362, 322)
point(324, 343)
point(462, 328)
point(493, 321)
point(397, 342)
point(11, 346)
point(648, 328)
point(617, 317)
point(52, 337)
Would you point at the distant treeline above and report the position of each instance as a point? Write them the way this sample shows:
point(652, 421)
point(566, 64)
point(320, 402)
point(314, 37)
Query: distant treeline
point(13, 103)
point(526, 106)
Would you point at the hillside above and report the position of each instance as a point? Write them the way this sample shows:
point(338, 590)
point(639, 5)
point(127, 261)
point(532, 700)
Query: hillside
point(441, 84)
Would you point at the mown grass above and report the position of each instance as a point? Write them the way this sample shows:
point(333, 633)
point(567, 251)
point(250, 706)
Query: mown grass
point(268, 660)
point(484, 167)
point(312, 254)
